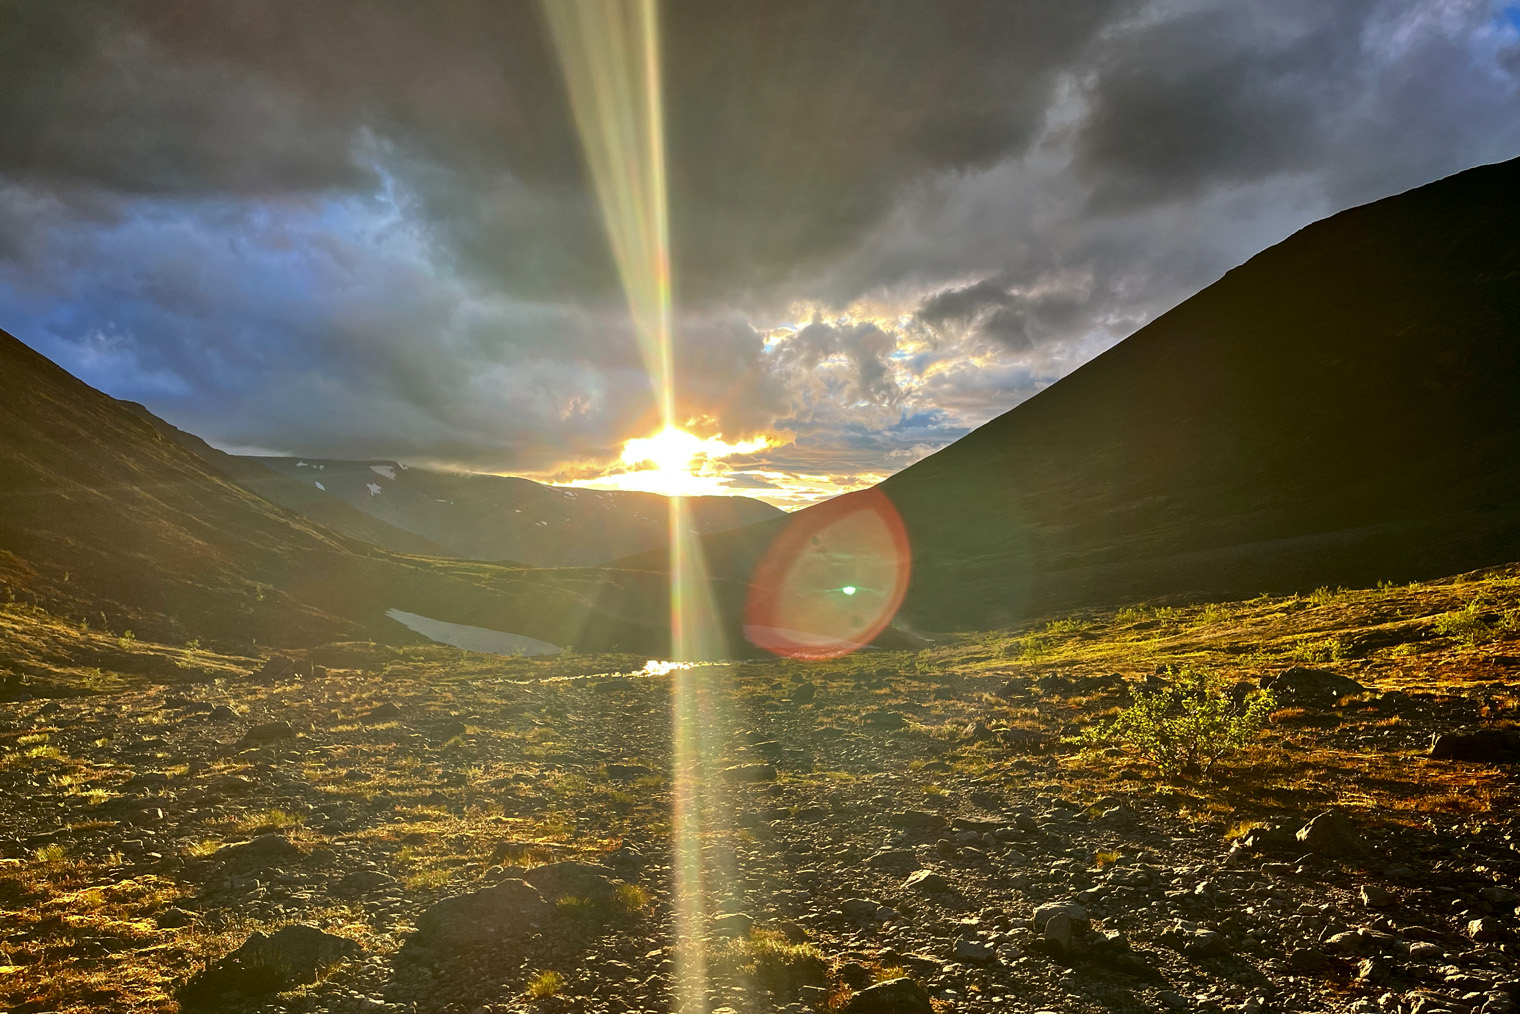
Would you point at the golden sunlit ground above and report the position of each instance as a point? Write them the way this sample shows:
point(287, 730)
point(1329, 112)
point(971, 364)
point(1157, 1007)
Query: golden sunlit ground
point(121, 872)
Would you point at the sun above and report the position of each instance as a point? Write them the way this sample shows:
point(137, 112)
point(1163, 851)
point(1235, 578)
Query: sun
point(675, 462)
point(671, 450)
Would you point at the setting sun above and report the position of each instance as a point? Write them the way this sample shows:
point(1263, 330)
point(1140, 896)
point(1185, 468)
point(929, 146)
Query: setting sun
point(675, 463)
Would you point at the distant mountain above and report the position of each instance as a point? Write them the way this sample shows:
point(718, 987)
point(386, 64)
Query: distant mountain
point(302, 497)
point(1345, 407)
point(108, 520)
point(491, 517)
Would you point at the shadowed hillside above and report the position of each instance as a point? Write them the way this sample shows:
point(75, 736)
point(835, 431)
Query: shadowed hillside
point(496, 517)
point(1345, 407)
point(105, 520)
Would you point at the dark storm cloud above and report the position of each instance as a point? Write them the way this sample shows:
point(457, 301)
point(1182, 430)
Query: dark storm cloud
point(1017, 321)
point(363, 228)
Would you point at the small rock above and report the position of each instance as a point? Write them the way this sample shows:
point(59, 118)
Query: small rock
point(267, 732)
point(971, 950)
point(387, 712)
point(1375, 896)
point(926, 882)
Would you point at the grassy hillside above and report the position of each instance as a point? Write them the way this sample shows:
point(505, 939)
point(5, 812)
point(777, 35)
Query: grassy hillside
point(106, 521)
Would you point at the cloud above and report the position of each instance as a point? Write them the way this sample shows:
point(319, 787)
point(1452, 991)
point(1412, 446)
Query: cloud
point(363, 229)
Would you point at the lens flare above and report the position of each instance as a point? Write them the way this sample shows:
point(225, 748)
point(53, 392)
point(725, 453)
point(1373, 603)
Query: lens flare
point(832, 580)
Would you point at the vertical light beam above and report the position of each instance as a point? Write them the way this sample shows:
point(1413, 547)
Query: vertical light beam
point(610, 53)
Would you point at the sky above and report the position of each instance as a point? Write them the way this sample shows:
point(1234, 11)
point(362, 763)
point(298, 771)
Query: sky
point(365, 229)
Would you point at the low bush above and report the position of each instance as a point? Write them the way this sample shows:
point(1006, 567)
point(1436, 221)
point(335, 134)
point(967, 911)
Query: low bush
point(1188, 724)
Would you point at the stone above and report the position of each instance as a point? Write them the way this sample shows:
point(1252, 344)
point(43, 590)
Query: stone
point(917, 820)
point(267, 851)
point(1060, 923)
point(571, 880)
point(859, 909)
point(291, 956)
point(357, 883)
point(1332, 834)
point(1485, 930)
point(750, 773)
point(895, 996)
point(971, 950)
point(222, 713)
point(803, 693)
point(1305, 959)
point(387, 712)
point(1117, 818)
point(1375, 896)
point(627, 772)
point(892, 859)
point(1302, 687)
point(505, 910)
point(732, 924)
point(1479, 746)
point(926, 882)
point(267, 732)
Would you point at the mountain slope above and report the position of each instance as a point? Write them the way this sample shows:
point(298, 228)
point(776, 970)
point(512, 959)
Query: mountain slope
point(105, 520)
point(493, 517)
point(1343, 408)
point(303, 498)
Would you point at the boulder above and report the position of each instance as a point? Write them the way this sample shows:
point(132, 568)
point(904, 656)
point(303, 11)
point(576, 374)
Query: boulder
point(926, 882)
point(572, 880)
point(1480, 746)
point(732, 924)
point(750, 773)
point(895, 996)
point(387, 712)
point(1332, 834)
point(1302, 687)
point(266, 852)
point(1061, 924)
point(267, 732)
point(503, 911)
point(291, 956)
point(971, 950)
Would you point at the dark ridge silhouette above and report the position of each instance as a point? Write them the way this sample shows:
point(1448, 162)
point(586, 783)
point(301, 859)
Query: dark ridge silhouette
point(1343, 408)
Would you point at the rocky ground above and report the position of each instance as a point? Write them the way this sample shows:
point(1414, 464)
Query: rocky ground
point(369, 829)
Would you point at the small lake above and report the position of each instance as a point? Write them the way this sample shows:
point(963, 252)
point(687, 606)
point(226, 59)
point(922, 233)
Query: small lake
point(482, 639)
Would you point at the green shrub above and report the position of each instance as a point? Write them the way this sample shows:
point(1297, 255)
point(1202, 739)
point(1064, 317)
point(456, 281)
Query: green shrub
point(545, 984)
point(1188, 724)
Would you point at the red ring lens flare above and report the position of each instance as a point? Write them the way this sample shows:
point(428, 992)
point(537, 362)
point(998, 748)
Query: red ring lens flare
point(832, 580)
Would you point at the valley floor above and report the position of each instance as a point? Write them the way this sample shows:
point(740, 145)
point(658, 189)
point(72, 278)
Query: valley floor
point(882, 816)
